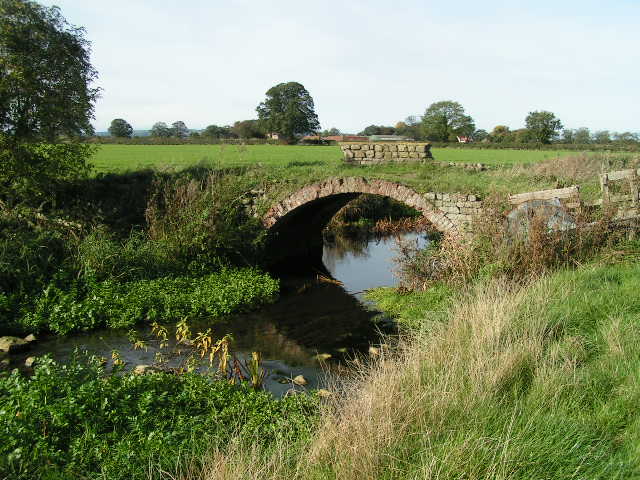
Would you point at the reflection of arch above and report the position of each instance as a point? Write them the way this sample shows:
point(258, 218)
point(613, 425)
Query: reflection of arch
point(295, 223)
point(319, 194)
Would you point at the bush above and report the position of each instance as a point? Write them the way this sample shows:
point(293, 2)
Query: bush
point(32, 172)
point(66, 305)
point(74, 421)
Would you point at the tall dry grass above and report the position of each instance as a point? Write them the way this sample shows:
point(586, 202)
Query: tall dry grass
point(408, 411)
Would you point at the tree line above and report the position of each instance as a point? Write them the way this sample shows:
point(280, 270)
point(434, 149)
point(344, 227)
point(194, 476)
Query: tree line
point(446, 120)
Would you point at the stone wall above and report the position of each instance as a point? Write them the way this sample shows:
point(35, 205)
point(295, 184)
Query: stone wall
point(373, 153)
point(459, 207)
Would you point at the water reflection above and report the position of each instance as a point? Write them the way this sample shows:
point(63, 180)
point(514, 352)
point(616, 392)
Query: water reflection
point(310, 318)
point(361, 263)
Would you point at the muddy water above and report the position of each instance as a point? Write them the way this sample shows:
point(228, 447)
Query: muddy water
point(312, 317)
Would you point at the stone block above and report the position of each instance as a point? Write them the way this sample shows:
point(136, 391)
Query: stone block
point(364, 147)
point(369, 153)
point(404, 154)
point(387, 156)
point(394, 154)
point(355, 147)
point(379, 155)
point(393, 147)
point(421, 148)
point(402, 147)
point(378, 148)
point(430, 196)
point(411, 148)
point(413, 155)
point(359, 154)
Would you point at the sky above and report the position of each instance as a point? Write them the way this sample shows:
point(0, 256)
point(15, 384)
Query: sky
point(364, 62)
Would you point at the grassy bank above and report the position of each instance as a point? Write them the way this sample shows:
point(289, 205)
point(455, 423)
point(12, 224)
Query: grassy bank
point(536, 381)
point(117, 158)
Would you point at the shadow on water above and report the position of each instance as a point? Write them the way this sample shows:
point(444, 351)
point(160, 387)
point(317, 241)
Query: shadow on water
point(311, 317)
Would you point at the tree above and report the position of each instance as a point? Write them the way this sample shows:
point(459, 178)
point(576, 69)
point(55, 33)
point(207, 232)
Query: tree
point(214, 131)
point(247, 129)
point(120, 128)
point(46, 76)
point(378, 130)
point(543, 125)
point(160, 129)
point(582, 136)
point(568, 136)
point(443, 121)
point(45, 93)
point(179, 129)
point(602, 137)
point(288, 110)
point(480, 135)
point(332, 132)
point(626, 138)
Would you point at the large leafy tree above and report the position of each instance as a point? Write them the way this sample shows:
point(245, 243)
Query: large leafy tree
point(120, 128)
point(442, 121)
point(179, 129)
point(543, 126)
point(160, 129)
point(288, 110)
point(46, 93)
point(45, 73)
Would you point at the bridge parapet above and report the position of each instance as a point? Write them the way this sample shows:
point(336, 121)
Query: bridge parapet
point(362, 153)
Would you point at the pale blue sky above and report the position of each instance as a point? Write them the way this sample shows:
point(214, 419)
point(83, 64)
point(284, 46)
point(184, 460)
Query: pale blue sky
point(365, 62)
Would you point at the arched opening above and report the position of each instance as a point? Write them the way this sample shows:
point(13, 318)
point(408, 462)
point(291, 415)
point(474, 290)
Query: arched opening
point(296, 223)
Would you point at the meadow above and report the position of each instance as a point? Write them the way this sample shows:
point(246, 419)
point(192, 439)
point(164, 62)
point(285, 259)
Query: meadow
point(118, 158)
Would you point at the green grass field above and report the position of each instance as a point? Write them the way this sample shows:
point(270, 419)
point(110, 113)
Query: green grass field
point(118, 158)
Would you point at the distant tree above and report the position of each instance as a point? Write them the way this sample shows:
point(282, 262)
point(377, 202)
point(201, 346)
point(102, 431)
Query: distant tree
point(378, 130)
point(543, 126)
point(247, 129)
point(214, 131)
point(582, 136)
point(568, 136)
point(480, 135)
point(443, 121)
point(500, 134)
point(160, 129)
point(179, 129)
point(120, 128)
point(602, 137)
point(626, 138)
point(288, 110)
point(332, 132)
point(194, 134)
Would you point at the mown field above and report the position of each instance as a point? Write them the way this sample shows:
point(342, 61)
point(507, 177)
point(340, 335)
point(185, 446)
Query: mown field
point(118, 158)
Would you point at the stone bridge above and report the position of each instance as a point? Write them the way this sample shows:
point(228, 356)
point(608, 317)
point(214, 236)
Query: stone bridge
point(296, 222)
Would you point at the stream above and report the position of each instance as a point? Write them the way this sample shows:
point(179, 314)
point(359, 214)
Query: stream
point(314, 326)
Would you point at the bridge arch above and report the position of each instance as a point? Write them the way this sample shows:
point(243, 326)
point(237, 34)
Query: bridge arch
point(296, 222)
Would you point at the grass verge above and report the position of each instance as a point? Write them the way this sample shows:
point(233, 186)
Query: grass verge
point(535, 381)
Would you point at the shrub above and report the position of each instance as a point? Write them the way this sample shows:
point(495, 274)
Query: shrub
point(74, 421)
point(66, 305)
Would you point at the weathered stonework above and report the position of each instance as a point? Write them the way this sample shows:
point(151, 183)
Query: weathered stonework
point(451, 213)
point(374, 153)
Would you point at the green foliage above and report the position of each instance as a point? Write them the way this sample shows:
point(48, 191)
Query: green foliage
point(66, 305)
point(74, 421)
point(120, 128)
point(179, 129)
point(31, 173)
point(288, 110)
point(46, 73)
point(543, 125)
point(442, 121)
point(160, 129)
